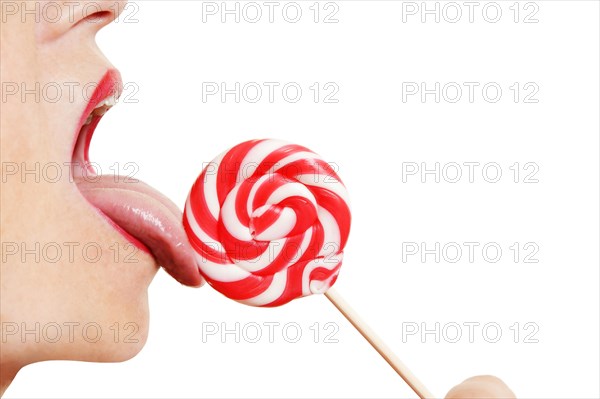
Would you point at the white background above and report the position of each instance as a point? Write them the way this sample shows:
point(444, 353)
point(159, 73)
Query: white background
point(369, 133)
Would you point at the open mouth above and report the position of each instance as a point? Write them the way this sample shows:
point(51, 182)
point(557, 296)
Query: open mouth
point(143, 215)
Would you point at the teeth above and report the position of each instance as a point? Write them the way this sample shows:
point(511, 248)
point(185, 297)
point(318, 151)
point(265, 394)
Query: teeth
point(111, 101)
point(102, 108)
point(108, 102)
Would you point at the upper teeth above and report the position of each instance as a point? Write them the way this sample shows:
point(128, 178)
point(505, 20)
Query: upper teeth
point(101, 108)
point(110, 101)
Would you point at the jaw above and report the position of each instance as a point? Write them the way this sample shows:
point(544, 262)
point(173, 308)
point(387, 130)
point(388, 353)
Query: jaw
point(97, 279)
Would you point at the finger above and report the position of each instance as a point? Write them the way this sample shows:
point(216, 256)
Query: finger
point(479, 387)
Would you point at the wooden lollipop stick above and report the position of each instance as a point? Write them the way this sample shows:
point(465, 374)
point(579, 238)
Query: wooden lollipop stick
point(377, 343)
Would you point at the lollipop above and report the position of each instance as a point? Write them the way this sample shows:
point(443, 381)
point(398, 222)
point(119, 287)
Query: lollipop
point(268, 221)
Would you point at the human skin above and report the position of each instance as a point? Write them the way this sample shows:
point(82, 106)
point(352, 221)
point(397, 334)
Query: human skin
point(71, 292)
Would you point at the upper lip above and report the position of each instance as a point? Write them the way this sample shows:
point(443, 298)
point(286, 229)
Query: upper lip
point(110, 85)
point(108, 89)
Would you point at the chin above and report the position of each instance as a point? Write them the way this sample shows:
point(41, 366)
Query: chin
point(124, 321)
point(116, 298)
point(132, 335)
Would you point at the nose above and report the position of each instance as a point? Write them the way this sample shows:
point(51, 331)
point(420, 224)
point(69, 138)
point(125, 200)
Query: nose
point(89, 16)
point(98, 14)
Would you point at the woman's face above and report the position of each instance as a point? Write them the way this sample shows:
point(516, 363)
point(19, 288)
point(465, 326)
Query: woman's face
point(71, 267)
point(78, 251)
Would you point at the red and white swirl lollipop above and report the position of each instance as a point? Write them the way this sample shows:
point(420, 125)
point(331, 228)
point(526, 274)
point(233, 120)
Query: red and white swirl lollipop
point(269, 221)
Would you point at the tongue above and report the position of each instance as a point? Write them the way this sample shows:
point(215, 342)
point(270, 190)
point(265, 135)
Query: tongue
point(150, 217)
